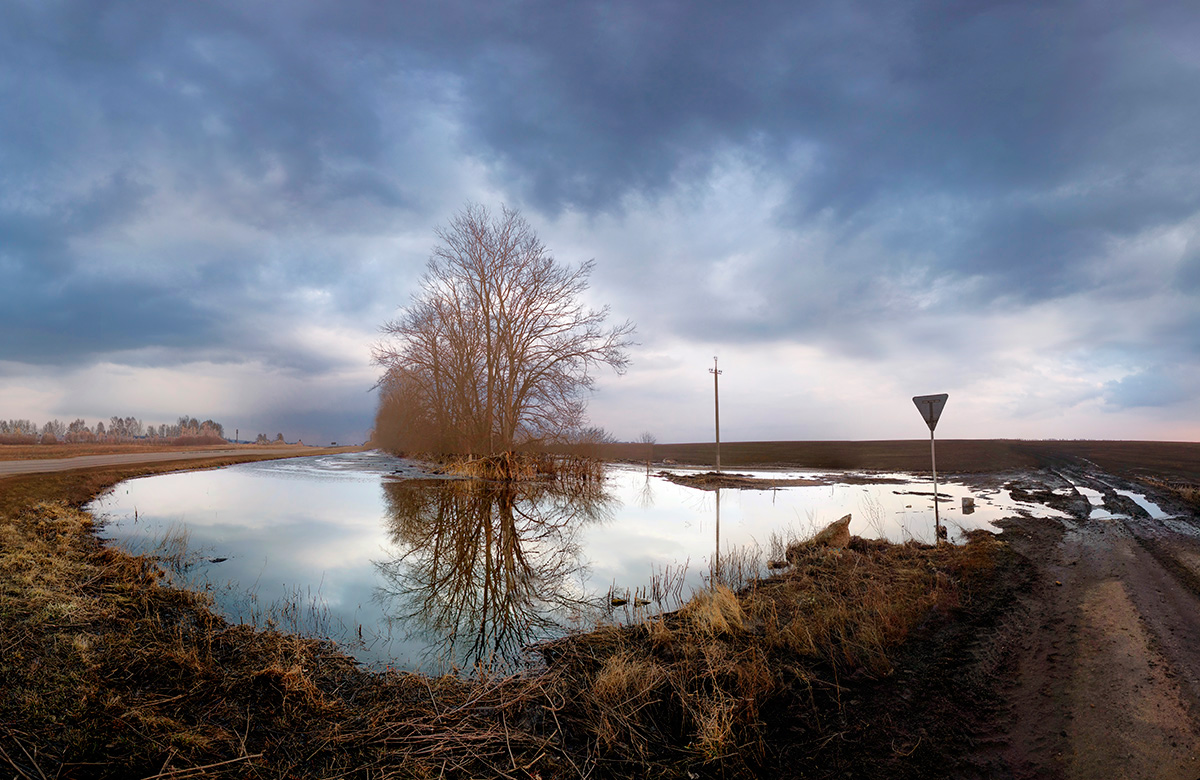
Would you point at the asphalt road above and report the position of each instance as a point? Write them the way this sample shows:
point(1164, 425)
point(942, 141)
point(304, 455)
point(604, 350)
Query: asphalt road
point(10, 467)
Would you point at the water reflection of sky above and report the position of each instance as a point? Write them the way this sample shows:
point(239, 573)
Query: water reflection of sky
point(314, 531)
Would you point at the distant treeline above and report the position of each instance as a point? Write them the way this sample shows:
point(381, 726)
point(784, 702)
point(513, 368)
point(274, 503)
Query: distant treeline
point(186, 430)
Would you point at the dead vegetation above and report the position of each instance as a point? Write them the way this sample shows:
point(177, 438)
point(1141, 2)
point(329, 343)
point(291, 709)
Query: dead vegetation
point(1188, 490)
point(702, 689)
point(524, 467)
point(105, 671)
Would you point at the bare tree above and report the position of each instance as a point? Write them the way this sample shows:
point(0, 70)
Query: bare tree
point(498, 343)
point(648, 440)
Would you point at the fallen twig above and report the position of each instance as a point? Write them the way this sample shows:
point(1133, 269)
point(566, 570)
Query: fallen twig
point(191, 771)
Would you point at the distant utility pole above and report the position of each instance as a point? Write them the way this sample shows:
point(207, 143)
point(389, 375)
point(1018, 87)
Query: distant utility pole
point(717, 409)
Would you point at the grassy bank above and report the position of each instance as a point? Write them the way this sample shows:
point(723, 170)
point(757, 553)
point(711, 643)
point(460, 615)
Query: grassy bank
point(105, 671)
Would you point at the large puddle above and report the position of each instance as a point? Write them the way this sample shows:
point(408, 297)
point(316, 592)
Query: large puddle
point(443, 575)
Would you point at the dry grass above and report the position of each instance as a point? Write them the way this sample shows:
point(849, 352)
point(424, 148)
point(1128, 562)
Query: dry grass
point(714, 612)
point(527, 466)
point(1188, 491)
point(105, 667)
point(696, 690)
point(105, 671)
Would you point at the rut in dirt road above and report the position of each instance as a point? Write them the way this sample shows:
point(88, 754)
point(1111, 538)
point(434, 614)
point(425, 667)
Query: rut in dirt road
point(1106, 654)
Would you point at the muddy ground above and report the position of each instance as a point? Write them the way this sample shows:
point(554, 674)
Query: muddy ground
point(1091, 667)
point(1092, 670)
point(1101, 654)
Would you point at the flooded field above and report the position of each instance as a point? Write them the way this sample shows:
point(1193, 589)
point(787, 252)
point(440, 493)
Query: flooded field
point(444, 574)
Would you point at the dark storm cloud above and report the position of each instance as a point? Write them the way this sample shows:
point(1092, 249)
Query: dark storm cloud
point(588, 101)
point(72, 324)
point(115, 114)
point(1188, 275)
point(116, 82)
point(1157, 386)
point(1053, 129)
point(178, 176)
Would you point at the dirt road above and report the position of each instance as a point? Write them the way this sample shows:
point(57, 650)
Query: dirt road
point(1104, 653)
point(10, 467)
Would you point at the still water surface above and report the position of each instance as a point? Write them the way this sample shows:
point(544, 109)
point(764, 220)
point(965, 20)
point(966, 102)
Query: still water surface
point(444, 574)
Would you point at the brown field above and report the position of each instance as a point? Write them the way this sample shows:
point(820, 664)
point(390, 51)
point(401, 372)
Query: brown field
point(1174, 460)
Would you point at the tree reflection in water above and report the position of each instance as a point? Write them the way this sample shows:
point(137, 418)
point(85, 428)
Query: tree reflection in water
point(486, 568)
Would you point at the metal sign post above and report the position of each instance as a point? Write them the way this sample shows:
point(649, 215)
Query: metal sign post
point(930, 407)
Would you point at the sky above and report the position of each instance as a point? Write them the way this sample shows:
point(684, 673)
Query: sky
point(211, 208)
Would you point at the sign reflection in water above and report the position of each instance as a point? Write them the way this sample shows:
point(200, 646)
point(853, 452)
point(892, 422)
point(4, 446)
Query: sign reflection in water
point(484, 569)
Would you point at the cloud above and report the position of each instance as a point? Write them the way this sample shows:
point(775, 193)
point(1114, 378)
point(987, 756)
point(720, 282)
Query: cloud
point(1011, 188)
point(1157, 386)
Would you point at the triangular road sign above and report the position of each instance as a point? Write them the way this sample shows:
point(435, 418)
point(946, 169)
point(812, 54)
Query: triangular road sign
point(930, 407)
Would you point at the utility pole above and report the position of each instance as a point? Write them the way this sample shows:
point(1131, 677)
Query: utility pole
point(717, 409)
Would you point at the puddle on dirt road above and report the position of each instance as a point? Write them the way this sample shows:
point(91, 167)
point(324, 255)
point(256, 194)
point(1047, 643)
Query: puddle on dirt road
point(443, 574)
point(1095, 499)
point(1149, 506)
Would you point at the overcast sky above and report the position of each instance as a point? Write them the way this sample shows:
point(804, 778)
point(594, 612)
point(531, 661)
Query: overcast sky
point(209, 208)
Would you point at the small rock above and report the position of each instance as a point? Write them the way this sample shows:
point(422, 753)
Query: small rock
point(836, 534)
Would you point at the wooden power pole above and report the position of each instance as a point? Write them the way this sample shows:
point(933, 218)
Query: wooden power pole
point(717, 409)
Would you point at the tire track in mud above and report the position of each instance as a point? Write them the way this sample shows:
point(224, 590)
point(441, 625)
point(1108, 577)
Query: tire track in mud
point(1105, 661)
